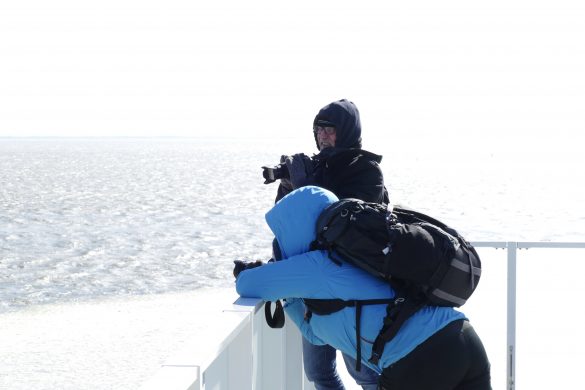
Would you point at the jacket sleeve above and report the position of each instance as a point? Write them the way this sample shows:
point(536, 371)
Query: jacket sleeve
point(310, 275)
point(364, 181)
point(295, 309)
point(297, 277)
point(281, 192)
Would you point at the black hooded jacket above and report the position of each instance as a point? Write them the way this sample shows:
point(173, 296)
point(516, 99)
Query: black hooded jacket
point(346, 170)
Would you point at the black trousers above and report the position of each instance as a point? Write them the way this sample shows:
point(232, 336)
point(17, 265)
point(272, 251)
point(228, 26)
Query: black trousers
point(452, 359)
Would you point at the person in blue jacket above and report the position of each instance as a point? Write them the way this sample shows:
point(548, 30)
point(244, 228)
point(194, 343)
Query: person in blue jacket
point(435, 349)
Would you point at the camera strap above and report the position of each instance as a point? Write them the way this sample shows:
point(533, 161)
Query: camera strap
point(276, 320)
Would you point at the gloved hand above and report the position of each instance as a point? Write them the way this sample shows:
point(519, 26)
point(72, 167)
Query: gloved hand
point(285, 181)
point(241, 265)
point(300, 169)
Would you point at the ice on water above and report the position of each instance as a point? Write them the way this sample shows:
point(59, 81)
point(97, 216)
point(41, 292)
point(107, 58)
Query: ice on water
point(84, 219)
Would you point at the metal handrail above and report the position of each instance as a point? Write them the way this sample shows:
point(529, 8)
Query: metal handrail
point(512, 247)
point(280, 351)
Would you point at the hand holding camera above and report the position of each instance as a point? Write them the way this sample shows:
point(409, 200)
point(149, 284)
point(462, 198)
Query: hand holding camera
point(298, 169)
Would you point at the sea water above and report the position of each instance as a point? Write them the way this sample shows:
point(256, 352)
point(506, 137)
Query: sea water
point(83, 219)
point(86, 221)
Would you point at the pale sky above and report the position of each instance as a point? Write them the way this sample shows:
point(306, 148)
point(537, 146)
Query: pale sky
point(194, 68)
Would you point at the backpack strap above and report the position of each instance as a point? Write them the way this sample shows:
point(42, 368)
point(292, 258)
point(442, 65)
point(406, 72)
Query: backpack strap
point(326, 306)
point(358, 327)
point(329, 306)
point(320, 243)
point(397, 313)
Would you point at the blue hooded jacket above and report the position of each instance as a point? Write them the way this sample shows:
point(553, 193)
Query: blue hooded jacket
point(311, 274)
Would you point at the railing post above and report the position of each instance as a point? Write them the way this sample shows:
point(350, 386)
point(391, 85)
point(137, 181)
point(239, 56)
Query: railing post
point(511, 318)
point(294, 357)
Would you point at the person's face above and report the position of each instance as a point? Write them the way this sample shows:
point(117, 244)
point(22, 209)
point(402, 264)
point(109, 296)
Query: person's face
point(326, 136)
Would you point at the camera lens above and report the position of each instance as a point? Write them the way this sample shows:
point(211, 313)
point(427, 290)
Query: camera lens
point(281, 171)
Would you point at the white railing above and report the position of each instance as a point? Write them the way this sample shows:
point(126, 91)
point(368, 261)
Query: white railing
point(243, 353)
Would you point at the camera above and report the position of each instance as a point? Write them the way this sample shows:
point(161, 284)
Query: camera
point(271, 174)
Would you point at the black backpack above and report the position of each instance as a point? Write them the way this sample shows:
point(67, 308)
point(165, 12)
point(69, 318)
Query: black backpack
point(424, 260)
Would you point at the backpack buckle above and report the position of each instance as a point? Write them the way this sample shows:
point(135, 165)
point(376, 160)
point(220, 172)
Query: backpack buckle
point(375, 358)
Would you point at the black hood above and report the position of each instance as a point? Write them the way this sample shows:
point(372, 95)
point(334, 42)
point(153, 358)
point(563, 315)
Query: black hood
point(346, 118)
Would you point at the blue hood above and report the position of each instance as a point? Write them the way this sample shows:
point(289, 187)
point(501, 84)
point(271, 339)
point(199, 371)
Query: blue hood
point(293, 218)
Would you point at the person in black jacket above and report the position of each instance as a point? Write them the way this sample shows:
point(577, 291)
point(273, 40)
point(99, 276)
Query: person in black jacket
point(341, 166)
point(348, 171)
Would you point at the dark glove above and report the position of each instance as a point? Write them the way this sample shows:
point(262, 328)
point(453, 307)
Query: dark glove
point(285, 181)
point(244, 265)
point(300, 169)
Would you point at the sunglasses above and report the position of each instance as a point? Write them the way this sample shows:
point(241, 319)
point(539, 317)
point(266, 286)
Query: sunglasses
point(326, 129)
